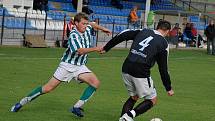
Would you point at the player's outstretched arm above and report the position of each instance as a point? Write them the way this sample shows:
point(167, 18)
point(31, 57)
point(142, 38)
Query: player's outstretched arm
point(98, 27)
point(122, 36)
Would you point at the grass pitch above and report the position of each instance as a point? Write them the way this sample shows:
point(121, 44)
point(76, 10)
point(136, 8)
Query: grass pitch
point(22, 69)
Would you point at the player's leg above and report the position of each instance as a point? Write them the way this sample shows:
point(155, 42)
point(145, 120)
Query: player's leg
point(144, 89)
point(129, 104)
point(138, 110)
point(142, 107)
point(35, 93)
point(213, 46)
point(208, 46)
point(93, 83)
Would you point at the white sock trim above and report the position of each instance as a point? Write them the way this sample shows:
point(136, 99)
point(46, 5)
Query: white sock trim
point(79, 104)
point(24, 100)
point(133, 113)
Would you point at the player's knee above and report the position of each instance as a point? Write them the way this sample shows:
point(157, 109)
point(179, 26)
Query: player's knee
point(95, 83)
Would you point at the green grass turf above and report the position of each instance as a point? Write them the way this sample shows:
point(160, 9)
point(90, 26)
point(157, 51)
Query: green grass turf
point(22, 69)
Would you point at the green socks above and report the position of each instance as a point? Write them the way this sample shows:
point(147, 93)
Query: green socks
point(34, 94)
point(88, 92)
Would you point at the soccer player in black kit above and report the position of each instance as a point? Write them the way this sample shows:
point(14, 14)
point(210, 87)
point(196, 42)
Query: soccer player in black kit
point(148, 47)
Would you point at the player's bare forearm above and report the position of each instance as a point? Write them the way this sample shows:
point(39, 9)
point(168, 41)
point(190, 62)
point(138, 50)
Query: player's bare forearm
point(82, 51)
point(98, 27)
point(122, 36)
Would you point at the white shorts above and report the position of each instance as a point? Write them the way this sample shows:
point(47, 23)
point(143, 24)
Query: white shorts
point(142, 87)
point(66, 72)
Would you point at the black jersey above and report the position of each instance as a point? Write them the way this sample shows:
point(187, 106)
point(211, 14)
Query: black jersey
point(148, 47)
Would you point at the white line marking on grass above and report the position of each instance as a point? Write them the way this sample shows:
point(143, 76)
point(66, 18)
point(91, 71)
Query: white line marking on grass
point(193, 58)
point(183, 58)
point(26, 58)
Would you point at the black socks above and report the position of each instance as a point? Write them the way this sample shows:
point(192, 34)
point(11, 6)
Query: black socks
point(129, 104)
point(143, 107)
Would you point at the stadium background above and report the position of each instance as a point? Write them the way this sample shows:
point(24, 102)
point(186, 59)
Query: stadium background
point(47, 18)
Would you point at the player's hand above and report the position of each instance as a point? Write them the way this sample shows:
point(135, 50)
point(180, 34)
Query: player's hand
point(102, 50)
point(98, 48)
point(171, 92)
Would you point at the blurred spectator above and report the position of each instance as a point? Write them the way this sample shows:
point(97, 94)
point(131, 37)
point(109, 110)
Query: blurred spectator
point(200, 41)
point(193, 29)
point(69, 26)
point(154, 2)
point(184, 23)
point(175, 33)
point(85, 7)
point(150, 19)
point(75, 4)
point(94, 34)
point(67, 29)
point(196, 36)
point(85, 2)
point(210, 33)
point(86, 10)
point(116, 4)
point(40, 5)
point(133, 18)
point(175, 30)
point(188, 31)
point(160, 20)
point(180, 35)
point(187, 34)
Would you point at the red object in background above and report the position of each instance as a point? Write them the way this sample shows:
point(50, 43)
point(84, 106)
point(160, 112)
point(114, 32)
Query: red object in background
point(211, 12)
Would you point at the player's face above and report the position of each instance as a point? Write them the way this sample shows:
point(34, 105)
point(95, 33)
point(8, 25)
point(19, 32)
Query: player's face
point(82, 25)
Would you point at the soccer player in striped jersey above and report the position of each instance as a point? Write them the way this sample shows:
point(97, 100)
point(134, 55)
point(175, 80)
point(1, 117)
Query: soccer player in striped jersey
point(148, 47)
point(72, 65)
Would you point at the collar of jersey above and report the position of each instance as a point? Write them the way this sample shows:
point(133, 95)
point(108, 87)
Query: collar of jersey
point(157, 32)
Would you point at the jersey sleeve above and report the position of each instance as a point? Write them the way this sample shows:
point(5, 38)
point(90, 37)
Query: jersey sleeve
point(123, 36)
point(162, 62)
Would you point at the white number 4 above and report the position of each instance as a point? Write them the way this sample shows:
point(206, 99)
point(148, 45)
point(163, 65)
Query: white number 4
point(145, 42)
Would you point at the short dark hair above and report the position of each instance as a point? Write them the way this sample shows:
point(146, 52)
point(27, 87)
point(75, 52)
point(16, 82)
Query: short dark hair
point(79, 16)
point(164, 25)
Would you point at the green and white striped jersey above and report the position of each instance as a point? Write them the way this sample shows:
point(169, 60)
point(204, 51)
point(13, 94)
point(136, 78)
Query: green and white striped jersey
point(77, 40)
